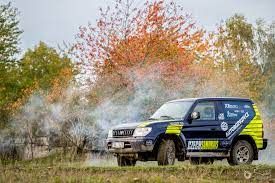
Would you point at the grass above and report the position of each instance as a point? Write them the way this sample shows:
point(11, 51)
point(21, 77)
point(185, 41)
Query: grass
point(63, 169)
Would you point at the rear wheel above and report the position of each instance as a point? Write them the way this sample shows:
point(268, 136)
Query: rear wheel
point(124, 161)
point(201, 160)
point(241, 153)
point(167, 153)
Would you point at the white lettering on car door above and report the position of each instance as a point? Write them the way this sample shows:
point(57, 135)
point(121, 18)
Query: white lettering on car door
point(237, 124)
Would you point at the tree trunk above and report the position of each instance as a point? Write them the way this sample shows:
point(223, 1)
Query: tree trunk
point(272, 97)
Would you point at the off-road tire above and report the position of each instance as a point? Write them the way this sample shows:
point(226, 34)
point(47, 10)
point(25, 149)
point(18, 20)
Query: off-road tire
point(124, 161)
point(241, 153)
point(201, 160)
point(166, 153)
point(229, 160)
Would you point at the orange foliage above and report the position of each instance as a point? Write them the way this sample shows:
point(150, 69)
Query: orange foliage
point(59, 84)
point(14, 106)
point(158, 36)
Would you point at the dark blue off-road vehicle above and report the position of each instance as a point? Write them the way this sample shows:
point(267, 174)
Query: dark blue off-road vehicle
point(198, 129)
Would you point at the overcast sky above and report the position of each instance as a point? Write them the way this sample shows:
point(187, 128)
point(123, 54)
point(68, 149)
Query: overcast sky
point(55, 21)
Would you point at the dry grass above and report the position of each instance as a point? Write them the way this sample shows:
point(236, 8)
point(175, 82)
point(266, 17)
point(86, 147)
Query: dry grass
point(60, 169)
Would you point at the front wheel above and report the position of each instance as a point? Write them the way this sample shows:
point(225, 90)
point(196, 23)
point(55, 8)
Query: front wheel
point(124, 161)
point(241, 154)
point(166, 153)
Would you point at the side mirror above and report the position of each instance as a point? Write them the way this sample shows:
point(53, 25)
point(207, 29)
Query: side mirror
point(195, 115)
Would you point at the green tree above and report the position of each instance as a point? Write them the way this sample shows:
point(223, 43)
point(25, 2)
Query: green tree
point(265, 44)
point(41, 69)
point(234, 42)
point(265, 56)
point(9, 32)
point(43, 64)
point(9, 40)
point(9, 87)
point(235, 49)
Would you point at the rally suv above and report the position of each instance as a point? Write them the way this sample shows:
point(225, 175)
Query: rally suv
point(200, 130)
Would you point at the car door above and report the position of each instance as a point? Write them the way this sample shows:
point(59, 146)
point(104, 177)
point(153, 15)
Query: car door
point(203, 133)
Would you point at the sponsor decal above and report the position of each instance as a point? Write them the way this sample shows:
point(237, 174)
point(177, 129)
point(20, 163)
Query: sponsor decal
point(246, 106)
point(239, 111)
point(230, 106)
point(237, 124)
point(192, 145)
point(231, 114)
point(224, 126)
point(206, 144)
point(221, 116)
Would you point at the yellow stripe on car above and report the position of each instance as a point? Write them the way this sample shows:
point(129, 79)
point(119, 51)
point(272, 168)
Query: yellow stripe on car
point(255, 128)
point(174, 129)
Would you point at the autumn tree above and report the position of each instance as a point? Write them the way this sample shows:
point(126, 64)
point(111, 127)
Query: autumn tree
point(46, 68)
point(156, 43)
point(142, 57)
point(43, 79)
point(40, 70)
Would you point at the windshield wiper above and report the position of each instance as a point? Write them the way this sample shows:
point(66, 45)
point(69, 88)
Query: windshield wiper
point(152, 119)
point(169, 117)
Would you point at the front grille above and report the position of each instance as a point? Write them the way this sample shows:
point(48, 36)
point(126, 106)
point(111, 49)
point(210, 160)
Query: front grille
point(123, 133)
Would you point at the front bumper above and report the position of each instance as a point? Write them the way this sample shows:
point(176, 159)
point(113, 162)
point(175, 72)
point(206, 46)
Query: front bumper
point(131, 145)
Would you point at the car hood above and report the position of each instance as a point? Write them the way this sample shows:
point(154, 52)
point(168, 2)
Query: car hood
point(127, 125)
point(142, 124)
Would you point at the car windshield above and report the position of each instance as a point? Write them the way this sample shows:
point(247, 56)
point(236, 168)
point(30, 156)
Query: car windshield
point(172, 110)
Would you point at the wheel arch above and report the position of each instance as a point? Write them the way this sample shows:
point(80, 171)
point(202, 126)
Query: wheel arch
point(179, 140)
point(249, 139)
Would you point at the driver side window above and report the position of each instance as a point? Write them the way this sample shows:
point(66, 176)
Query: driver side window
point(206, 110)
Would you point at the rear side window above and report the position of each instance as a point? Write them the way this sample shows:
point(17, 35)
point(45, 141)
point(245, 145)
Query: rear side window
point(206, 110)
point(234, 110)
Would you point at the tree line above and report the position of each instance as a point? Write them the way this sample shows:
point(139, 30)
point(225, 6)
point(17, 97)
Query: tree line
point(133, 60)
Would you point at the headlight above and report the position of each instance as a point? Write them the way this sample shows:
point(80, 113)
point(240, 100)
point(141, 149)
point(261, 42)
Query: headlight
point(110, 134)
point(141, 132)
